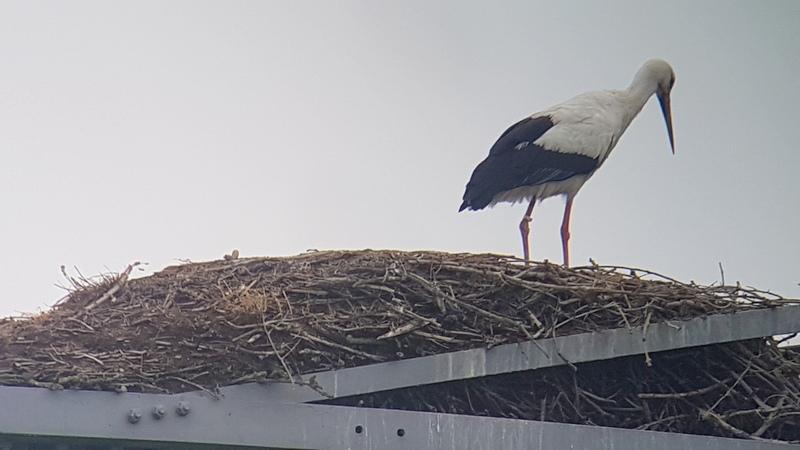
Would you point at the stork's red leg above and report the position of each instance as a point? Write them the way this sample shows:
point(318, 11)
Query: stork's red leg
point(565, 231)
point(524, 229)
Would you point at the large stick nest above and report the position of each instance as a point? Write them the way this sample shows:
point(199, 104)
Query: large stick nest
point(200, 326)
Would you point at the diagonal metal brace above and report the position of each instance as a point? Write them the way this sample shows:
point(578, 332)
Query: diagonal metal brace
point(528, 355)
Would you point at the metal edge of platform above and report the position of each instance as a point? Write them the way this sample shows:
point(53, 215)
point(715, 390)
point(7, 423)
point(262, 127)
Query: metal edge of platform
point(528, 355)
point(128, 418)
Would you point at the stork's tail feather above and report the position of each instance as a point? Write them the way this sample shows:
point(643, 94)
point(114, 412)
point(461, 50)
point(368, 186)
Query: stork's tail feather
point(474, 203)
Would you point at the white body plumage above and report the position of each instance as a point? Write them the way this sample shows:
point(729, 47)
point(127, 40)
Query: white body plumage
point(589, 124)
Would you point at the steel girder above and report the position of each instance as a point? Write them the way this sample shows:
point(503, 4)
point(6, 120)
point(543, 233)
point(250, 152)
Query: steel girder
point(192, 420)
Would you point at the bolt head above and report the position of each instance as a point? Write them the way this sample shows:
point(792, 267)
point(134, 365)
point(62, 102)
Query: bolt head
point(134, 415)
point(183, 408)
point(159, 412)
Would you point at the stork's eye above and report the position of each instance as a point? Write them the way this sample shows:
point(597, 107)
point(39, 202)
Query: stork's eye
point(672, 81)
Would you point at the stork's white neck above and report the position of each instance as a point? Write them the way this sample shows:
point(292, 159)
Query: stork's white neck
point(643, 86)
point(645, 82)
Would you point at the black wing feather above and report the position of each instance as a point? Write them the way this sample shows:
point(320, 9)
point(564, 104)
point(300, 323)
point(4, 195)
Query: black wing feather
point(515, 161)
point(528, 129)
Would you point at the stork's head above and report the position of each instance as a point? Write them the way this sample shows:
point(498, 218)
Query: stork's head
point(657, 75)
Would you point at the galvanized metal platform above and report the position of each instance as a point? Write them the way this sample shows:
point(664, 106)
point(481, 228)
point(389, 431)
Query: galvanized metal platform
point(276, 415)
point(529, 355)
point(129, 418)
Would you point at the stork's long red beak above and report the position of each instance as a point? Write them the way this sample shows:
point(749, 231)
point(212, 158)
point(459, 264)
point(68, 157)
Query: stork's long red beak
point(663, 99)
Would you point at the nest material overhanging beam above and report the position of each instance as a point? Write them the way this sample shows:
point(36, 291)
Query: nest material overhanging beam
point(270, 415)
point(190, 419)
point(528, 355)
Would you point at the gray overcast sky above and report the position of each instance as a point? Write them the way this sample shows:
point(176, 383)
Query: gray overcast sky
point(156, 131)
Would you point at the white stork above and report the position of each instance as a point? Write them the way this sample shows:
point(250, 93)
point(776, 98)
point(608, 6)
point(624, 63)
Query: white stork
point(555, 151)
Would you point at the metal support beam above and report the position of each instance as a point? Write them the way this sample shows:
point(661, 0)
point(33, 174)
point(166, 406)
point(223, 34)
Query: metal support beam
point(201, 421)
point(577, 348)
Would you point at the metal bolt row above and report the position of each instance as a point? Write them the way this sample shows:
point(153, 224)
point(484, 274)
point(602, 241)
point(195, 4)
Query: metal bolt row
point(400, 431)
point(159, 412)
